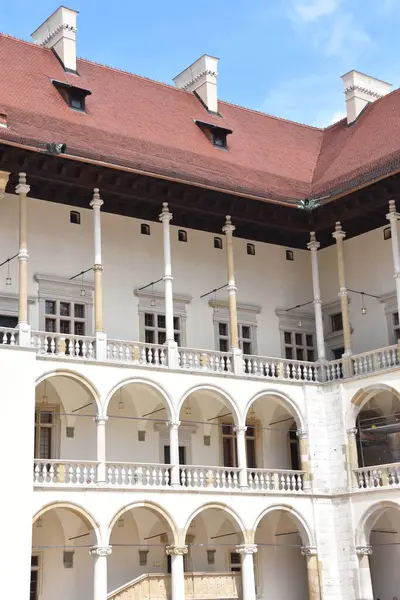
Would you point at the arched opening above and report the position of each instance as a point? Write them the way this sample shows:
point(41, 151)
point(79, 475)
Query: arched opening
point(212, 537)
point(280, 537)
point(64, 431)
point(136, 434)
point(61, 563)
point(273, 425)
point(139, 536)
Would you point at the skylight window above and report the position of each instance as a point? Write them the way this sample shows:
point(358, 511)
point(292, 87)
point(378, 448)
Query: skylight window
point(74, 96)
point(216, 134)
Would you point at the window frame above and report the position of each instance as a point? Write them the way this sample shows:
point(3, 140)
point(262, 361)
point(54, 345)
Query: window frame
point(38, 569)
point(247, 317)
point(157, 329)
point(146, 299)
point(55, 426)
point(288, 322)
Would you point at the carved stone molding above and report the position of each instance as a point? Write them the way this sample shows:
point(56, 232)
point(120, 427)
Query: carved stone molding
point(176, 550)
point(100, 550)
point(364, 550)
point(246, 549)
point(308, 551)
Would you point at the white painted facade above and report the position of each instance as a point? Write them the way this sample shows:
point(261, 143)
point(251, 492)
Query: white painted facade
point(106, 510)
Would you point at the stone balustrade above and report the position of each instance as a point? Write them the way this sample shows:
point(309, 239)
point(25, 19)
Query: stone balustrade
point(137, 353)
point(57, 344)
point(205, 360)
point(275, 480)
point(378, 476)
point(142, 475)
point(218, 478)
point(8, 336)
point(65, 472)
point(275, 368)
point(375, 360)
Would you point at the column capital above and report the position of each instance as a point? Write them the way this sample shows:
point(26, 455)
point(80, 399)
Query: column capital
point(313, 244)
point(352, 431)
point(96, 201)
point(246, 548)
point(302, 434)
point(240, 429)
point(309, 551)
point(228, 227)
point(100, 420)
point(173, 424)
point(22, 187)
point(338, 234)
point(165, 214)
point(176, 550)
point(100, 550)
point(364, 550)
point(392, 215)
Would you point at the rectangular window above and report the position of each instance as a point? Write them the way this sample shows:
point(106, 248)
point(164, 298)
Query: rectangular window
point(235, 564)
point(229, 446)
point(299, 346)
point(336, 322)
point(44, 433)
point(245, 336)
point(155, 329)
point(35, 570)
point(67, 318)
point(396, 326)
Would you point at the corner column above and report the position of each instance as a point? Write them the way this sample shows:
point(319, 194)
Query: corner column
point(366, 591)
point(100, 554)
point(304, 458)
point(101, 448)
point(174, 452)
point(101, 339)
point(4, 176)
point(339, 236)
point(247, 551)
point(22, 190)
point(393, 217)
point(177, 571)
point(165, 217)
point(313, 246)
point(228, 229)
point(314, 590)
point(242, 455)
point(352, 456)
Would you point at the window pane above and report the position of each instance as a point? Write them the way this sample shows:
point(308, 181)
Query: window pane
point(250, 432)
point(246, 347)
point(289, 352)
point(34, 561)
point(50, 325)
point(223, 328)
point(223, 345)
point(162, 336)
point(79, 311)
point(299, 339)
point(395, 319)
point(299, 354)
point(246, 332)
point(235, 558)
point(337, 322)
point(288, 337)
point(45, 443)
point(64, 309)
point(46, 416)
point(251, 453)
point(79, 328)
point(177, 323)
point(177, 338)
point(161, 321)
point(310, 355)
point(309, 340)
point(50, 307)
point(149, 336)
point(64, 327)
point(149, 320)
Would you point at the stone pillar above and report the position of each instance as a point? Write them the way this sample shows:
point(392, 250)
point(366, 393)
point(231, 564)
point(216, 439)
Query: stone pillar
point(352, 456)
point(100, 554)
point(177, 571)
point(101, 448)
point(392, 217)
point(314, 590)
point(174, 452)
point(242, 455)
point(366, 591)
point(101, 339)
point(228, 229)
point(246, 551)
point(304, 458)
point(339, 236)
point(22, 190)
point(4, 175)
point(313, 246)
point(165, 217)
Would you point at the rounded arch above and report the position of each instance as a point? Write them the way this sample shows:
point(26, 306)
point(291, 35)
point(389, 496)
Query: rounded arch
point(362, 396)
point(213, 389)
point(284, 399)
point(142, 381)
point(153, 507)
point(68, 373)
point(216, 506)
point(304, 529)
point(369, 518)
point(73, 507)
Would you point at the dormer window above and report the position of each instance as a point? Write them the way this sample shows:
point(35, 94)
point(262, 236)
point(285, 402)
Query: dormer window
point(216, 134)
point(74, 96)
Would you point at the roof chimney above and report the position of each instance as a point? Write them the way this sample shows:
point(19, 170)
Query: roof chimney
point(360, 90)
point(201, 78)
point(59, 33)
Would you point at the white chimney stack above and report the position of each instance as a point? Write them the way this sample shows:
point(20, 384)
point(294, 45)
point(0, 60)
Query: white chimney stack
point(59, 33)
point(201, 77)
point(360, 90)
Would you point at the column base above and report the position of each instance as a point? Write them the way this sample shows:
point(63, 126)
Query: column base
point(172, 355)
point(24, 334)
point(237, 361)
point(101, 345)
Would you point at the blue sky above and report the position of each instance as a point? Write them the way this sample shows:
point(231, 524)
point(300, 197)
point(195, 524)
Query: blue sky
point(284, 57)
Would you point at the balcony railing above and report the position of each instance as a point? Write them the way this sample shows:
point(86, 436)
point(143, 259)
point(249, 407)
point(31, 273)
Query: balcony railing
point(69, 472)
point(8, 336)
point(275, 480)
point(218, 478)
point(205, 360)
point(378, 476)
point(137, 353)
point(144, 475)
point(57, 344)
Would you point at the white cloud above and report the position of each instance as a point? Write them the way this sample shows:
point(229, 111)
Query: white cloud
point(344, 38)
point(310, 10)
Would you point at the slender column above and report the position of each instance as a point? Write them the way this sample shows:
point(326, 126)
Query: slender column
point(177, 571)
point(339, 236)
point(101, 448)
point(228, 229)
point(314, 591)
point(366, 591)
point(352, 455)
point(165, 217)
point(313, 246)
point(242, 455)
point(101, 338)
point(174, 452)
point(392, 217)
point(248, 582)
point(304, 458)
point(100, 555)
point(22, 190)
point(4, 175)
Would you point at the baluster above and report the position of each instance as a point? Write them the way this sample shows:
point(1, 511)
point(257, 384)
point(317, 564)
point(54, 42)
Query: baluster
point(293, 482)
point(36, 473)
point(166, 477)
point(109, 475)
point(195, 480)
point(84, 474)
point(184, 480)
point(235, 480)
point(229, 364)
point(50, 474)
point(228, 479)
point(217, 478)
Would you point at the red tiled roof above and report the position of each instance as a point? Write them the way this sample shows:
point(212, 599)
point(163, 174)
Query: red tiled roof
point(149, 126)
